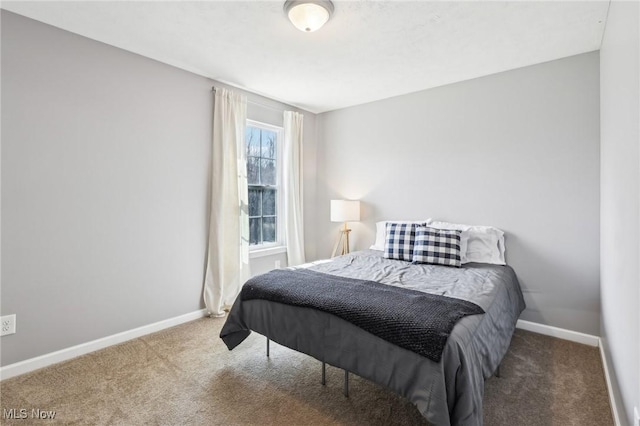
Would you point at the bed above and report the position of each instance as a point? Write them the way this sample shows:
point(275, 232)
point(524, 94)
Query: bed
point(447, 392)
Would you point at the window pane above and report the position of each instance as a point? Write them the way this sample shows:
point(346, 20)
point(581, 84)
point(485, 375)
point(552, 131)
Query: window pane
point(254, 231)
point(268, 172)
point(262, 163)
point(252, 140)
point(268, 144)
point(254, 202)
point(253, 170)
point(269, 202)
point(269, 229)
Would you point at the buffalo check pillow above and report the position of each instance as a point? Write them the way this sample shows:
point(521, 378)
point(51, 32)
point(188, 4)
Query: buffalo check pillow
point(437, 246)
point(398, 241)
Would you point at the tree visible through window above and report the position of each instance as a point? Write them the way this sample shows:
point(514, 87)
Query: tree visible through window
point(262, 176)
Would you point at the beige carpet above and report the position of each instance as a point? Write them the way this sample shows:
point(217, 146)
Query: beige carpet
point(186, 376)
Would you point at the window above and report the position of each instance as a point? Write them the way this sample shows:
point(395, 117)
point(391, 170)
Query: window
point(263, 175)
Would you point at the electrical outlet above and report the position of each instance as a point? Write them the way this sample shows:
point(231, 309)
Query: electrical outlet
point(277, 264)
point(8, 324)
point(636, 416)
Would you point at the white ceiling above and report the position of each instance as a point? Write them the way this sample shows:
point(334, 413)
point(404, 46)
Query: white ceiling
point(369, 50)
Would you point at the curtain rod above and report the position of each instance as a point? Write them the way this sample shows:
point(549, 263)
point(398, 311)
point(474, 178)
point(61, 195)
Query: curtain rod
point(213, 89)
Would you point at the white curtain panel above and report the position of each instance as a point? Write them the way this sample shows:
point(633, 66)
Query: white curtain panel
point(228, 245)
point(294, 229)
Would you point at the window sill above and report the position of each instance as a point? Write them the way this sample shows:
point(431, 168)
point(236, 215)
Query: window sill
point(262, 252)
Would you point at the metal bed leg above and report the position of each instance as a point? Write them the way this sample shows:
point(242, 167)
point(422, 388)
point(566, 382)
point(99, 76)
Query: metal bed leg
point(324, 374)
point(498, 371)
point(346, 383)
point(267, 347)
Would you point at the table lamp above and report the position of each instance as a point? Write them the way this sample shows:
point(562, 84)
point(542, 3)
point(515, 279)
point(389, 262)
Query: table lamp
point(344, 211)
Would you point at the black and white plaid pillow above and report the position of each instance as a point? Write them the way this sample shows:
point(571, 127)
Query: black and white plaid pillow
point(398, 241)
point(437, 246)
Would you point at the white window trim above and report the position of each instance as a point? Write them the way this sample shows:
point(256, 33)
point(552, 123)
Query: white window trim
point(268, 249)
point(260, 251)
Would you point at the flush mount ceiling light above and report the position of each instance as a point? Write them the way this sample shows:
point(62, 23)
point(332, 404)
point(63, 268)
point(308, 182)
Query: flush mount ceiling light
point(308, 15)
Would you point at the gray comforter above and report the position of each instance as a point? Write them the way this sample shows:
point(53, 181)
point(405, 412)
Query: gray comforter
point(418, 321)
point(447, 392)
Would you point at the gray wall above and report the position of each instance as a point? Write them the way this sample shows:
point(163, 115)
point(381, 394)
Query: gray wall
point(620, 174)
point(105, 163)
point(517, 150)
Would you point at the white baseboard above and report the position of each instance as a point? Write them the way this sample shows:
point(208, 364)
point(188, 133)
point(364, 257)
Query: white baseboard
point(607, 378)
point(45, 360)
point(560, 333)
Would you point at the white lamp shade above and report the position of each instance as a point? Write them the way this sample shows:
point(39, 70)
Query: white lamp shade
point(308, 16)
point(345, 211)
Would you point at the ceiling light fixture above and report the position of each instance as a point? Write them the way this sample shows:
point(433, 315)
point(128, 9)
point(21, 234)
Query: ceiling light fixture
point(308, 15)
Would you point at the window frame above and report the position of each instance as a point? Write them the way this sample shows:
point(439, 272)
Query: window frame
point(278, 246)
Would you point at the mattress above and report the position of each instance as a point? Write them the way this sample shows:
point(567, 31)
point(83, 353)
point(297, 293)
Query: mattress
point(448, 392)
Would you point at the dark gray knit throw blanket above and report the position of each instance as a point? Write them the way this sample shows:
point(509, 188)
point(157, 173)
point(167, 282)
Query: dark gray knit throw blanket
point(417, 321)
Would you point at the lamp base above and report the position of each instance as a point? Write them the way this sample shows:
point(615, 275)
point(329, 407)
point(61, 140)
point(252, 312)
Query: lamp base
point(343, 237)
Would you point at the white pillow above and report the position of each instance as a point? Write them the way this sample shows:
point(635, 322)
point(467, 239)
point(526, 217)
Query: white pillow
point(381, 230)
point(482, 244)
